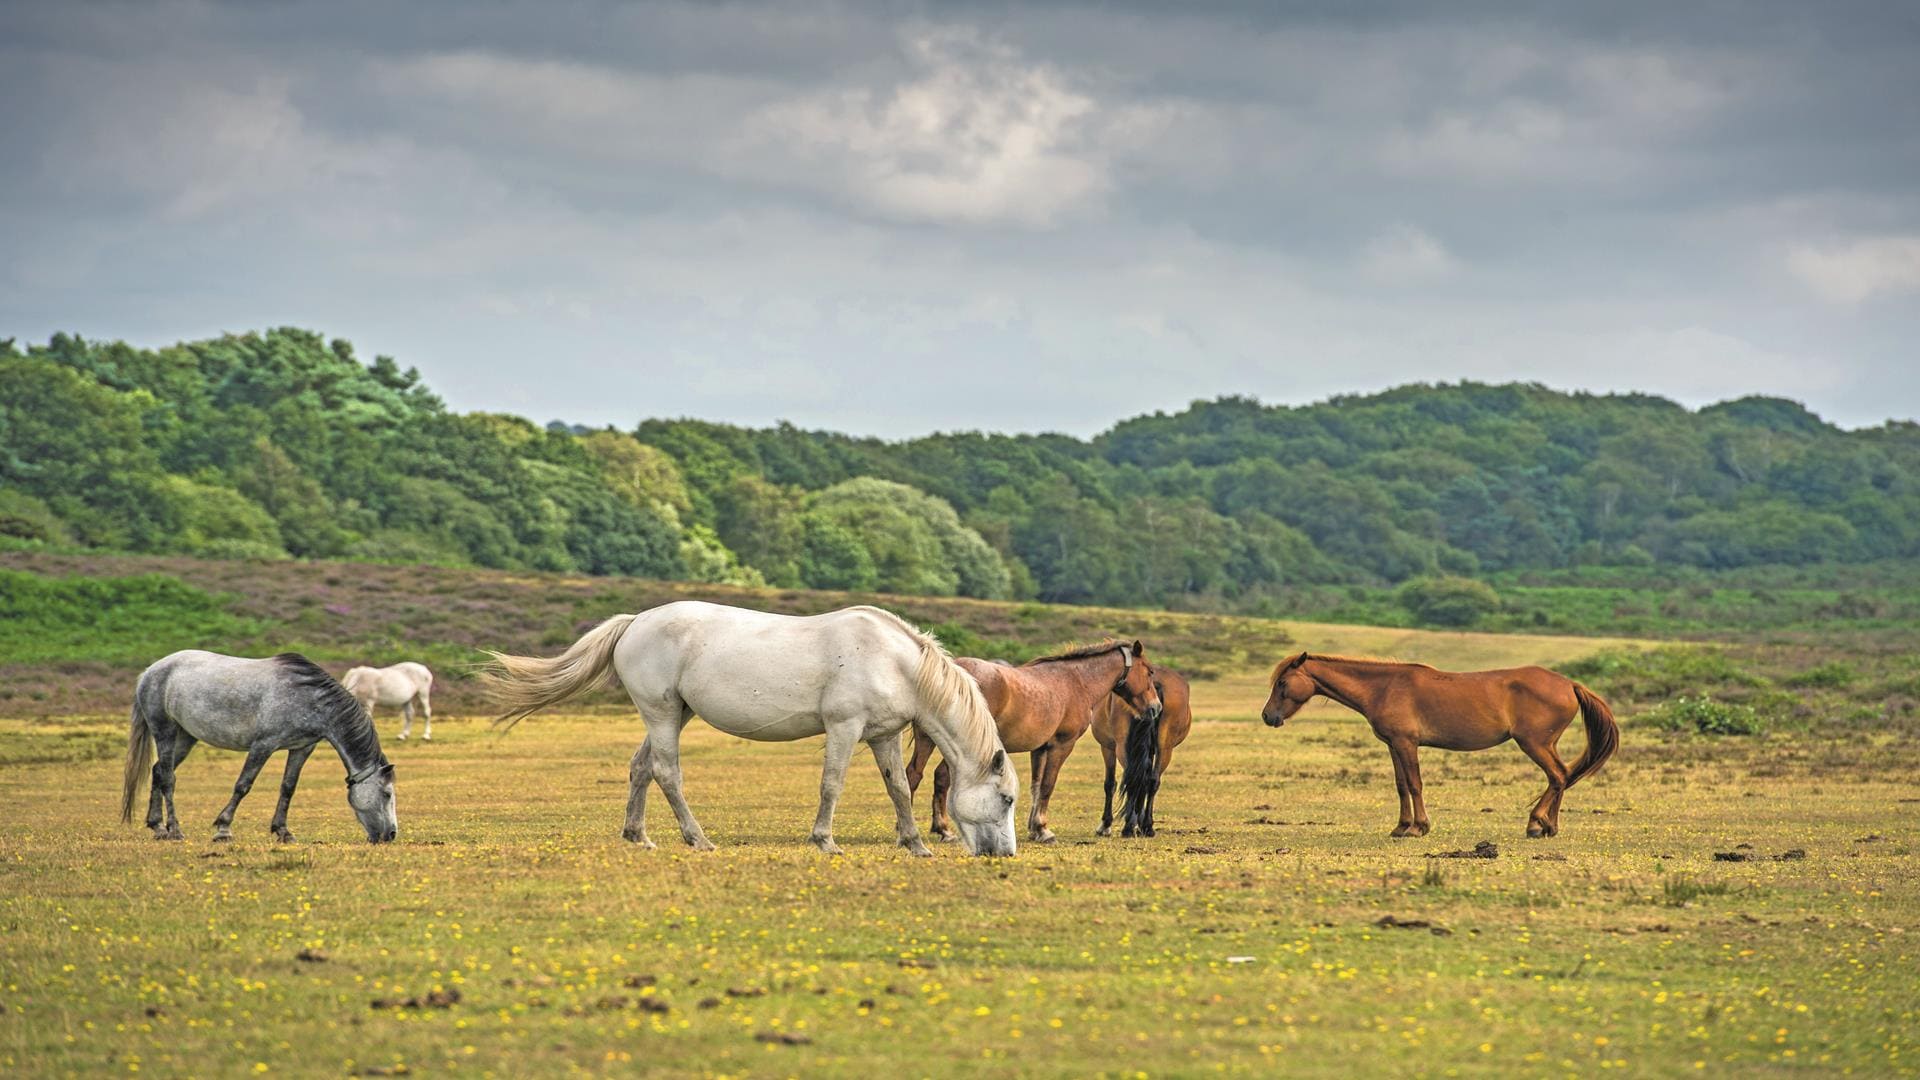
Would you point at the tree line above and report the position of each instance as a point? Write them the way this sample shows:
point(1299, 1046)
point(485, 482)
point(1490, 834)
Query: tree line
point(283, 443)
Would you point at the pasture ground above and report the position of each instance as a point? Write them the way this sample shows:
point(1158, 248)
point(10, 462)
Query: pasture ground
point(1247, 937)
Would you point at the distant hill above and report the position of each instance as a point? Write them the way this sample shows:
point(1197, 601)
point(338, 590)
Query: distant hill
point(283, 444)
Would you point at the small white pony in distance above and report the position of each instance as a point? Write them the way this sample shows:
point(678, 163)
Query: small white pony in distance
point(405, 684)
point(856, 675)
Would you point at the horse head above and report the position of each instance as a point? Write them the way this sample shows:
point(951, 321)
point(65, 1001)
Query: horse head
point(1291, 689)
point(370, 793)
point(1135, 688)
point(982, 806)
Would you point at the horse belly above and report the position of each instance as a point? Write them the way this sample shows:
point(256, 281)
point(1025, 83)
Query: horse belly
point(217, 714)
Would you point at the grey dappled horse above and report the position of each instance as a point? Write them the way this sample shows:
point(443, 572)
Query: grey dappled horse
point(259, 706)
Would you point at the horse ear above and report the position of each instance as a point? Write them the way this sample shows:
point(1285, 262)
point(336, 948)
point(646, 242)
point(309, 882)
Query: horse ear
point(1139, 649)
point(387, 770)
point(998, 761)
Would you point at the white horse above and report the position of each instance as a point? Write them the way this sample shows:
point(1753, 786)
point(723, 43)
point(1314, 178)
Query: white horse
point(855, 675)
point(405, 684)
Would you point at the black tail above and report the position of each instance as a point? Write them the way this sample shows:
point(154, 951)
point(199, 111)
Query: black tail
point(1142, 759)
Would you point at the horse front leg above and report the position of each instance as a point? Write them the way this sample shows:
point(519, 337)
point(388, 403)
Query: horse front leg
point(296, 760)
point(639, 778)
point(841, 739)
point(256, 759)
point(1421, 826)
point(893, 773)
point(942, 784)
point(1399, 752)
point(1106, 813)
point(917, 770)
point(426, 710)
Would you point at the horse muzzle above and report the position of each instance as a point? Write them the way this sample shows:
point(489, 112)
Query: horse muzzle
point(1273, 719)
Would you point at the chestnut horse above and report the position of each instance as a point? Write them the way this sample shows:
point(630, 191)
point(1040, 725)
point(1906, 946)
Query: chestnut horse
point(1413, 705)
point(1044, 706)
point(1148, 746)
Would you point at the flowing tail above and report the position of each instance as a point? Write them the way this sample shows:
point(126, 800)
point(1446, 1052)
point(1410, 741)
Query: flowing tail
point(1142, 761)
point(523, 685)
point(139, 763)
point(1603, 734)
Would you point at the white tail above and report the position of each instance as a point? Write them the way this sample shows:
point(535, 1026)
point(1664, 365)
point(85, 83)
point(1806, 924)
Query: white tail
point(523, 685)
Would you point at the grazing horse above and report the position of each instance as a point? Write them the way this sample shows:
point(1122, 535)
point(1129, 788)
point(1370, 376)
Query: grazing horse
point(1044, 706)
point(1413, 705)
point(405, 684)
point(856, 675)
point(260, 706)
point(1148, 746)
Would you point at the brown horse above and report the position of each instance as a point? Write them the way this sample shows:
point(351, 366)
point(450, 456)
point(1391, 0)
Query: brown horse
point(1413, 705)
point(1044, 706)
point(1148, 745)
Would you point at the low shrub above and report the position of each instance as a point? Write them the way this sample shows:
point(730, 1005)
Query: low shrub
point(1448, 601)
point(1828, 676)
point(1705, 716)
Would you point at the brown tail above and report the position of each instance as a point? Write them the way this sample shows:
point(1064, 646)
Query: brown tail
point(1603, 734)
point(526, 684)
point(139, 763)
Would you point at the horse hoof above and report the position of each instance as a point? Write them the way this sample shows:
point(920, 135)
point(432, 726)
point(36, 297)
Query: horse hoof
point(283, 836)
point(701, 844)
point(1147, 831)
point(918, 849)
point(1401, 832)
point(828, 847)
point(223, 838)
point(1104, 830)
point(1040, 836)
point(426, 738)
point(403, 736)
point(1421, 828)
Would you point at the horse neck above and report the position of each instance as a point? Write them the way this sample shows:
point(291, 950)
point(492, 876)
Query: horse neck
point(1343, 682)
point(1086, 673)
point(354, 738)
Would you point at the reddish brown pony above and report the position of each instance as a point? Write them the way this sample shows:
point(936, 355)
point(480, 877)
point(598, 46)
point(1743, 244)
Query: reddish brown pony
point(1413, 705)
point(1148, 746)
point(1044, 706)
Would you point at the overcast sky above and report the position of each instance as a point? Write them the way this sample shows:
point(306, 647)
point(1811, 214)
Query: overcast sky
point(896, 218)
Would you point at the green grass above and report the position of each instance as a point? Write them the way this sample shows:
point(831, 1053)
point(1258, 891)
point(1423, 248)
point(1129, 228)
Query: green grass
point(50, 619)
point(1621, 943)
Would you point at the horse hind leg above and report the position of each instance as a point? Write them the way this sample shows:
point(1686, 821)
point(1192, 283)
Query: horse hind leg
point(169, 752)
point(406, 719)
point(1544, 820)
point(426, 711)
point(639, 778)
point(664, 734)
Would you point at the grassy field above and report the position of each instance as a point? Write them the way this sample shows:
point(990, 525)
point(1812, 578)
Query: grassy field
point(1271, 926)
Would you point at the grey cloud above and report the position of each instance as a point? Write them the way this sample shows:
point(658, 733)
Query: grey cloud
point(892, 218)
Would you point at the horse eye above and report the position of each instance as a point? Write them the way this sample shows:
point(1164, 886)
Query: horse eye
point(1008, 799)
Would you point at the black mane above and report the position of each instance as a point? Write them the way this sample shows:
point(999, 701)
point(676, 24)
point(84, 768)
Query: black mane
point(345, 719)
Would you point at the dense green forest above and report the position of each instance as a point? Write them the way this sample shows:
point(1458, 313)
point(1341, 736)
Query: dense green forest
point(284, 444)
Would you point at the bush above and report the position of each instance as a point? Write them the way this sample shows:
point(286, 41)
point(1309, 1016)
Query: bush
point(1828, 676)
point(1706, 716)
point(1657, 674)
point(1448, 601)
point(27, 518)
